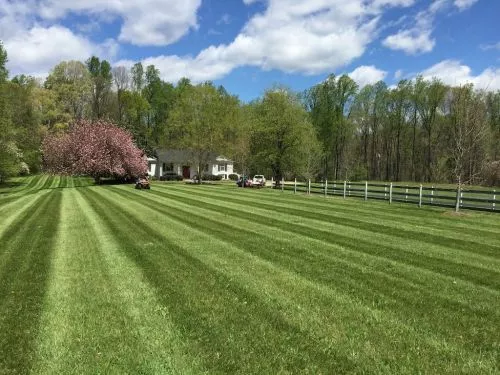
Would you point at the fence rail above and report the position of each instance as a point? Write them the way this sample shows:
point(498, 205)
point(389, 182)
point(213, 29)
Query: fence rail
point(460, 198)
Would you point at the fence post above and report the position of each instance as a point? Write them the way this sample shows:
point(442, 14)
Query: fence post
point(457, 204)
point(406, 196)
point(420, 196)
point(432, 194)
point(349, 192)
point(282, 184)
point(345, 185)
point(326, 188)
point(309, 187)
point(334, 186)
point(385, 191)
point(390, 193)
point(366, 190)
point(295, 186)
point(494, 199)
point(272, 182)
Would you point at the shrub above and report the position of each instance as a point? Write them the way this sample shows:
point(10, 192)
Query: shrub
point(233, 177)
point(171, 177)
point(211, 177)
point(24, 169)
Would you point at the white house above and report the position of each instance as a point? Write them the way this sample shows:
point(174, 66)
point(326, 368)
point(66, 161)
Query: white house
point(152, 166)
point(185, 163)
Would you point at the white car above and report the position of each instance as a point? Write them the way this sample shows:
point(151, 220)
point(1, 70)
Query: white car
point(259, 180)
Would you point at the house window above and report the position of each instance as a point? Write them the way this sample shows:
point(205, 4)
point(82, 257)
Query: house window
point(222, 167)
point(168, 167)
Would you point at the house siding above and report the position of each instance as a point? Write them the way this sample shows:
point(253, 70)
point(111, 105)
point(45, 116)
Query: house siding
point(181, 158)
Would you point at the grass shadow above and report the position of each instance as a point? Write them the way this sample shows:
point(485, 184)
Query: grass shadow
point(26, 266)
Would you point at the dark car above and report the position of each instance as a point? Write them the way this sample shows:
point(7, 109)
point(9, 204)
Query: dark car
point(171, 176)
point(244, 181)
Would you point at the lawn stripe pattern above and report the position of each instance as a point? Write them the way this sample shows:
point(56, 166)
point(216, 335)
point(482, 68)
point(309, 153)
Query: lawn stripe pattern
point(439, 314)
point(26, 248)
point(99, 311)
point(214, 279)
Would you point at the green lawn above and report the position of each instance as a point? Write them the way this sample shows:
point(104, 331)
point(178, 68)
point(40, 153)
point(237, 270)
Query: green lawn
point(214, 279)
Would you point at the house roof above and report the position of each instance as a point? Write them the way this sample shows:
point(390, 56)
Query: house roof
point(183, 156)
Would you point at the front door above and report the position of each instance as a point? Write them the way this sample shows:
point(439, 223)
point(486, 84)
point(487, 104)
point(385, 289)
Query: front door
point(186, 171)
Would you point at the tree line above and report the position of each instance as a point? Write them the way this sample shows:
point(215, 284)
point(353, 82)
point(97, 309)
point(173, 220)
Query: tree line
point(420, 130)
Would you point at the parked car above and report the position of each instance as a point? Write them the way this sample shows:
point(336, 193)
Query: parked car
point(244, 181)
point(142, 183)
point(171, 176)
point(259, 180)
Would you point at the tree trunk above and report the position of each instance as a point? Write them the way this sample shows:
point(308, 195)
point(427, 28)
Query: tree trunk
point(413, 172)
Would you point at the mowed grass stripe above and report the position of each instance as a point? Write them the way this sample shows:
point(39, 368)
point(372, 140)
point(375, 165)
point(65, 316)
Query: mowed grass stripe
point(161, 348)
point(23, 282)
point(225, 325)
point(417, 254)
point(280, 230)
point(13, 209)
point(396, 228)
point(251, 270)
point(99, 316)
point(48, 182)
point(334, 223)
point(55, 182)
point(26, 186)
point(377, 283)
point(473, 223)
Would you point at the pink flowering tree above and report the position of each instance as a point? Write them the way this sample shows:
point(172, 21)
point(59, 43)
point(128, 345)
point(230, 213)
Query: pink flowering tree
point(97, 149)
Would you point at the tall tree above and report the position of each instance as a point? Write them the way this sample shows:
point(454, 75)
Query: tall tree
point(493, 113)
point(71, 83)
point(430, 97)
point(10, 156)
point(137, 72)
point(330, 105)
point(27, 120)
point(200, 121)
point(283, 137)
point(369, 115)
point(469, 129)
point(102, 79)
point(160, 96)
point(400, 103)
point(4, 73)
point(135, 113)
point(121, 79)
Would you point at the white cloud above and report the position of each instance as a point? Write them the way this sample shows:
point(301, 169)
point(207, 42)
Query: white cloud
point(413, 41)
point(464, 4)
point(452, 72)
point(39, 49)
point(393, 3)
point(309, 37)
point(367, 75)
point(487, 47)
point(418, 38)
point(145, 22)
point(398, 74)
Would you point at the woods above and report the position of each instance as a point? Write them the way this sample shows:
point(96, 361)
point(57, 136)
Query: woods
point(418, 130)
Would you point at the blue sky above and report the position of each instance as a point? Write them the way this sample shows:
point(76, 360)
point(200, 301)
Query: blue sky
point(250, 45)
